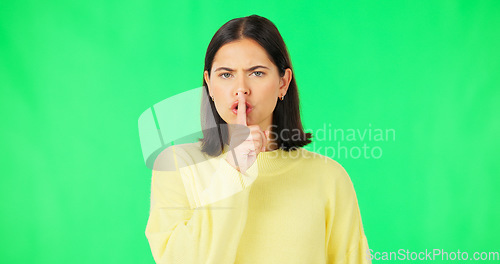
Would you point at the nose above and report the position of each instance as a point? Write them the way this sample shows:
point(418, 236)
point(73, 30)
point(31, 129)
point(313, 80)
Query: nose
point(242, 87)
point(245, 92)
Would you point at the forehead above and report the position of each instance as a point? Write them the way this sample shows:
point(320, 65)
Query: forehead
point(241, 53)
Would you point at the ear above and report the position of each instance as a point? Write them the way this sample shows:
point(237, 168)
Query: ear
point(285, 81)
point(207, 80)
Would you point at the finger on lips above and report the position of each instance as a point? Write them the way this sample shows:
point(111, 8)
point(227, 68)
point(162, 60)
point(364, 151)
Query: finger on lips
point(241, 116)
point(241, 119)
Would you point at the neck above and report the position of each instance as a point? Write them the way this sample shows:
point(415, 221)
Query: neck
point(271, 142)
point(271, 145)
point(275, 161)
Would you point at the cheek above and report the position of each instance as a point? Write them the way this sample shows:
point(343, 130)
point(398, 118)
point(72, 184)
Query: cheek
point(269, 103)
point(218, 84)
point(217, 88)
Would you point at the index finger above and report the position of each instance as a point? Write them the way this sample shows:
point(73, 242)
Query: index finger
point(241, 115)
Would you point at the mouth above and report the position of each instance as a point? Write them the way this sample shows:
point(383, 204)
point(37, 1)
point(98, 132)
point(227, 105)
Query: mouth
point(234, 107)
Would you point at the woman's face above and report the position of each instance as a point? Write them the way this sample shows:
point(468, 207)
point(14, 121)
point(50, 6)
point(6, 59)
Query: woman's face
point(244, 66)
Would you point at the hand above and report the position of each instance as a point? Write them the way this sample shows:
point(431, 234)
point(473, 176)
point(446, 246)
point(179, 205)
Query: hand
point(244, 154)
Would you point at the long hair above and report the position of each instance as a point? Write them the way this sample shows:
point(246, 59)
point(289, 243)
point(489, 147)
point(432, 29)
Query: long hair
point(286, 116)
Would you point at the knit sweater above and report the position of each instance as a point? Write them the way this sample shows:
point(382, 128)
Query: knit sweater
point(288, 207)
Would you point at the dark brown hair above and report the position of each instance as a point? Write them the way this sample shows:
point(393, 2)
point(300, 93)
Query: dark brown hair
point(286, 116)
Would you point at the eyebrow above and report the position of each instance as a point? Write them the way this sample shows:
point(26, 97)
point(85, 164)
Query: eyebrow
point(249, 69)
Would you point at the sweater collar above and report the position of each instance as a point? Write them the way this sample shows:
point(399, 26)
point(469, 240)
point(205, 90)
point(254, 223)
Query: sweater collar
point(274, 161)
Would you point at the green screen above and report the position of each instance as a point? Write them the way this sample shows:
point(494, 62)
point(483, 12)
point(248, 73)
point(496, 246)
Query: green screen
point(406, 94)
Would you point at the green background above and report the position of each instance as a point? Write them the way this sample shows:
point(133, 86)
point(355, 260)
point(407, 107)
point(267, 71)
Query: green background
point(76, 75)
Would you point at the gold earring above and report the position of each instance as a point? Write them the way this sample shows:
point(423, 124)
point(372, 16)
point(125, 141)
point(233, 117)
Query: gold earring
point(282, 97)
point(212, 98)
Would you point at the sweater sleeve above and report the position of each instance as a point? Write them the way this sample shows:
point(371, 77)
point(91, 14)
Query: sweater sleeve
point(189, 225)
point(346, 240)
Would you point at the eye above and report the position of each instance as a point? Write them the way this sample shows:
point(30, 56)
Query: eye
point(260, 73)
point(223, 74)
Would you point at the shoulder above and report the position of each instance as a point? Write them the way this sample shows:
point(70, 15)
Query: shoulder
point(332, 171)
point(180, 155)
point(322, 162)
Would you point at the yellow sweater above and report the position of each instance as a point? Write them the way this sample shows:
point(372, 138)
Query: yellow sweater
point(288, 207)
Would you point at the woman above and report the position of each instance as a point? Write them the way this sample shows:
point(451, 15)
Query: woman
point(248, 192)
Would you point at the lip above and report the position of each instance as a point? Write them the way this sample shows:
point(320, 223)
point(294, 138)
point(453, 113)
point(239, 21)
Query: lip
point(235, 111)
